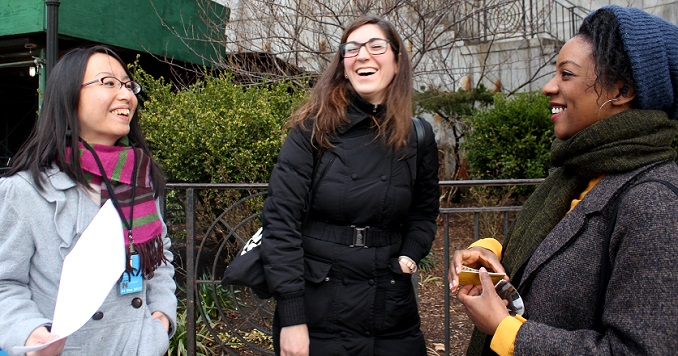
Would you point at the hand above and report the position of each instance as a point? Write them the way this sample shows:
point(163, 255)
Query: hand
point(294, 340)
point(40, 336)
point(163, 319)
point(483, 306)
point(474, 257)
point(407, 265)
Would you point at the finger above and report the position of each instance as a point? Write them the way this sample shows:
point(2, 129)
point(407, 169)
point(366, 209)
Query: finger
point(465, 290)
point(486, 281)
point(457, 261)
point(463, 294)
point(489, 260)
point(453, 278)
point(476, 290)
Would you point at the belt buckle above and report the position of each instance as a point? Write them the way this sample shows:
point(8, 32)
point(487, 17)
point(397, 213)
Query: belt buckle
point(359, 236)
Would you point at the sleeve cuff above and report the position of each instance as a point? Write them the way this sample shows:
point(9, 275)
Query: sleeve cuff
point(489, 244)
point(291, 310)
point(504, 338)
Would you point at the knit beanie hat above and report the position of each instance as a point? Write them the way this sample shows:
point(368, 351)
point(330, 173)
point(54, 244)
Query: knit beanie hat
point(652, 46)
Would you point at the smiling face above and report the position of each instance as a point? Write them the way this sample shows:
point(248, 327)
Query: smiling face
point(370, 75)
point(575, 103)
point(104, 113)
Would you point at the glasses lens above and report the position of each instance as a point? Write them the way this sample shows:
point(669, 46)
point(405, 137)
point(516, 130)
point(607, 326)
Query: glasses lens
point(110, 82)
point(377, 46)
point(134, 87)
point(350, 49)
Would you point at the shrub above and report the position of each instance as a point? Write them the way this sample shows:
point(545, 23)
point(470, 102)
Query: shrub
point(215, 131)
point(510, 140)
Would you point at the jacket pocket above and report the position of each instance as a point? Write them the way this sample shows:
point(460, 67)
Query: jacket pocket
point(316, 269)
point(318, 293)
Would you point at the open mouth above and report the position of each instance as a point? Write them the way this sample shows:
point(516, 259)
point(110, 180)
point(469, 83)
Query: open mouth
point(366, 72)
point(123, 112)
point(557, 109)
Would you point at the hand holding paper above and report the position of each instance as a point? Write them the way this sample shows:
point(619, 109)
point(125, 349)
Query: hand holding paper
point(98, 259)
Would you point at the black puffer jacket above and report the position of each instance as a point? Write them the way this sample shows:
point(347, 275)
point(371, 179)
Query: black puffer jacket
point(354, 300)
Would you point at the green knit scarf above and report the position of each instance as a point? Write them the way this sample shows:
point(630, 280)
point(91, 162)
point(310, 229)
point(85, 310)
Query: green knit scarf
point(618, 144)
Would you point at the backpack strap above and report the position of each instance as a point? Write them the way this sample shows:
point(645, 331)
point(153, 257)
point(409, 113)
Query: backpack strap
point(419, 131)
point(316, 177)
point(604, 279)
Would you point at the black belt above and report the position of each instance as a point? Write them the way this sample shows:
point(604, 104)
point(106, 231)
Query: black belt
point(352, 236)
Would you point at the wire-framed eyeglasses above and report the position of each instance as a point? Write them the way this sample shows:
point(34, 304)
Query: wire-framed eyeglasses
point(115, 83)
point(374, 46)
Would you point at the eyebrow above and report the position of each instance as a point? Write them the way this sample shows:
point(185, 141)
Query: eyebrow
point(568, 62)
point(109, 74)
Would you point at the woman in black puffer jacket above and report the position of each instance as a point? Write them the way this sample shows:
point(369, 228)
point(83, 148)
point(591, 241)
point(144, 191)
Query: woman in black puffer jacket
point(341, 271)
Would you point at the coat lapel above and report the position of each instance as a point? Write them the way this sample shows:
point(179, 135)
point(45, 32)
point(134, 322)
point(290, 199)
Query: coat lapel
point(71, 205)
point(574, 223)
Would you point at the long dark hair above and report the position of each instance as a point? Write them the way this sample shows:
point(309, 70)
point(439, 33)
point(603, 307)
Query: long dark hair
point(326, 106)
point(57, 126)
point(612, 63)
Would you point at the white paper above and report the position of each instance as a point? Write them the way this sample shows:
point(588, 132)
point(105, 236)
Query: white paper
point(89, 272)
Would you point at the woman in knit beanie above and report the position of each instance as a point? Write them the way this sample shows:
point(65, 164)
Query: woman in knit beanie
point(593, 251)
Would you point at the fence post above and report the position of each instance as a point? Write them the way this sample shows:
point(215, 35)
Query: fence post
point(190, 271)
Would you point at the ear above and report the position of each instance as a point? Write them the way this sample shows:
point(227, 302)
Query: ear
point(624, 93)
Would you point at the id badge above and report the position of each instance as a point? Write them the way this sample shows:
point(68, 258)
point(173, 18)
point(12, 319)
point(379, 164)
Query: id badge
point(132, 282)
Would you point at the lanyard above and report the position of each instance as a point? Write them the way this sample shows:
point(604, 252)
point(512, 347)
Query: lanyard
point(114, 199)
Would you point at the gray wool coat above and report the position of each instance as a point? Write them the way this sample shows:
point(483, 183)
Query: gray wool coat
point(560, 281)
point(37, 230)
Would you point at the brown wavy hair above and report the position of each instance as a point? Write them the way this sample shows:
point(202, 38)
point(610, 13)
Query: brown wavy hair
point(325, 108)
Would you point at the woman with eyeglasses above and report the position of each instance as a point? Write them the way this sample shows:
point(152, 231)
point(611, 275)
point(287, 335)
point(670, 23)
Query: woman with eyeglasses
point(86, 149)
point(352, 206)
point(593, 251)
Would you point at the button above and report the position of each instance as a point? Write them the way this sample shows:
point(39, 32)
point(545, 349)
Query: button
point(327, 279)
point(98, 315)
point(384, 178)
point(354, 176)
point(137, 303)
point(371, 282)
point(368, 334)
point(393, 281)
point(345, 282)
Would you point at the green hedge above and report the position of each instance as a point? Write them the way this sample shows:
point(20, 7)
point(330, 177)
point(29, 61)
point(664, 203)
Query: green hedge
point(215, 131)
point(511, 139)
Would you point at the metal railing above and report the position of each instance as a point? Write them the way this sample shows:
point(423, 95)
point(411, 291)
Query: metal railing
point(508, 19)
point(232, 315)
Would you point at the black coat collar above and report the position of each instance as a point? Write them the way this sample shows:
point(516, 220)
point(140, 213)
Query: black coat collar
point(359, 110)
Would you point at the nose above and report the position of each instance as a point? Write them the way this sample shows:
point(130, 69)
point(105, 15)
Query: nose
point(551, 88)
point(363, 53)
point(125, 93)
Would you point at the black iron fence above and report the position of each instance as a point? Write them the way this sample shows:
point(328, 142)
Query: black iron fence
point(207, 236)
point(503, 19)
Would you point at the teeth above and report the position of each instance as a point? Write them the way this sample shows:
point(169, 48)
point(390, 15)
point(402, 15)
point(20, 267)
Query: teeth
point(557, 110)
point(366, 71)
point(121, 112)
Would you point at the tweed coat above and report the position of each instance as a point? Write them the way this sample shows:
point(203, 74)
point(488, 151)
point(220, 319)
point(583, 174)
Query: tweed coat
point(560, 281)
point(38, 230)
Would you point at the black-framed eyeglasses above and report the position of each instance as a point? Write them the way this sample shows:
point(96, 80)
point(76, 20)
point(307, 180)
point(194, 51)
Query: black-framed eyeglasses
point(115, 83)
point(374, 46)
